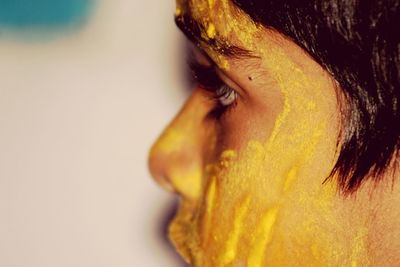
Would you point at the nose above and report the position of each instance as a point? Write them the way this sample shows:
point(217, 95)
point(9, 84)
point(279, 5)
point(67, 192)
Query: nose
point(175, 160)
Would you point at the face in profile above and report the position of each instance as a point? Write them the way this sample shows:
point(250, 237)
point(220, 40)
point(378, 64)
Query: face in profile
point(250, 150)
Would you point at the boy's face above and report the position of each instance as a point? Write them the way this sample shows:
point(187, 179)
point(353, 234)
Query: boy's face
point(249, 161)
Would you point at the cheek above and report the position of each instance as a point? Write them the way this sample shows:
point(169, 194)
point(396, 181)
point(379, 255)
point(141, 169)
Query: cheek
point(272, 164)
point(253, 195)
point(231, 211)
point(249, 120)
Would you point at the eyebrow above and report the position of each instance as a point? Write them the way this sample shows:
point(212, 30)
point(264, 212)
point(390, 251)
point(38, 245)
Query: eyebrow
point(195, 32)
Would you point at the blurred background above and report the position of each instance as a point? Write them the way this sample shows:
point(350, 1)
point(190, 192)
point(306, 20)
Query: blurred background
point(86, 86)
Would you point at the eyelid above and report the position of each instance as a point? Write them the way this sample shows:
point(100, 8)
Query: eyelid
point(203, 59)
point(236, 81)
point(229, 82)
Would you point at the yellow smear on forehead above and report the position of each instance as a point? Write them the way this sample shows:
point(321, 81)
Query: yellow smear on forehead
point(211, 32)
point(220, 18)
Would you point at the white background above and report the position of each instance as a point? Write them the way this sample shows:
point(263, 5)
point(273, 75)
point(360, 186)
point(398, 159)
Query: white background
point(77, 117)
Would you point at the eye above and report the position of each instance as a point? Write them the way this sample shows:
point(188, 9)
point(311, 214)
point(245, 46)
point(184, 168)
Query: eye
point(208, 79)
point(225, 95)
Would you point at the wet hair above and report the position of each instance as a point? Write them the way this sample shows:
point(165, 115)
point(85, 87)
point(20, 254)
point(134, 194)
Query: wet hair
point(357, 42)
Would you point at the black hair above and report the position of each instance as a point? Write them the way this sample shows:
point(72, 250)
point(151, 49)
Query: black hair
point(357, 42)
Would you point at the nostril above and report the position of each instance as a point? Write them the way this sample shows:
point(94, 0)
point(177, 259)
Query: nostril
point(164, 182)
point(157, 167)
point(177, 174)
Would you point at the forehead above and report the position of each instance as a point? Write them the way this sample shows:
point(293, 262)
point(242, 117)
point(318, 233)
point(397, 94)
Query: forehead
point(224, 21)
point(221, 19)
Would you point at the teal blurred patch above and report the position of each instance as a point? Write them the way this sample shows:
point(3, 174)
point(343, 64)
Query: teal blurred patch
point(43, 14)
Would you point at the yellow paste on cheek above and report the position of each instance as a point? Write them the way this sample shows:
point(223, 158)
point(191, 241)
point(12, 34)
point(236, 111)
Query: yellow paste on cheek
point(262, 237)
point(231, 244)
point(265, 205)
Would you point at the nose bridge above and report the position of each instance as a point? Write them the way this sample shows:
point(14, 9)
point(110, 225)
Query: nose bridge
point(175, 159)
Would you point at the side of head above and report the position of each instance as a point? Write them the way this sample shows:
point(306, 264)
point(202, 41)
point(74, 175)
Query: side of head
point(287, 93)
point(358, 44)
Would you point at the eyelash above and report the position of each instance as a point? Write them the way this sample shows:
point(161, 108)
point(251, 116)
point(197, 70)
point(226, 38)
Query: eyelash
point(208, 79)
